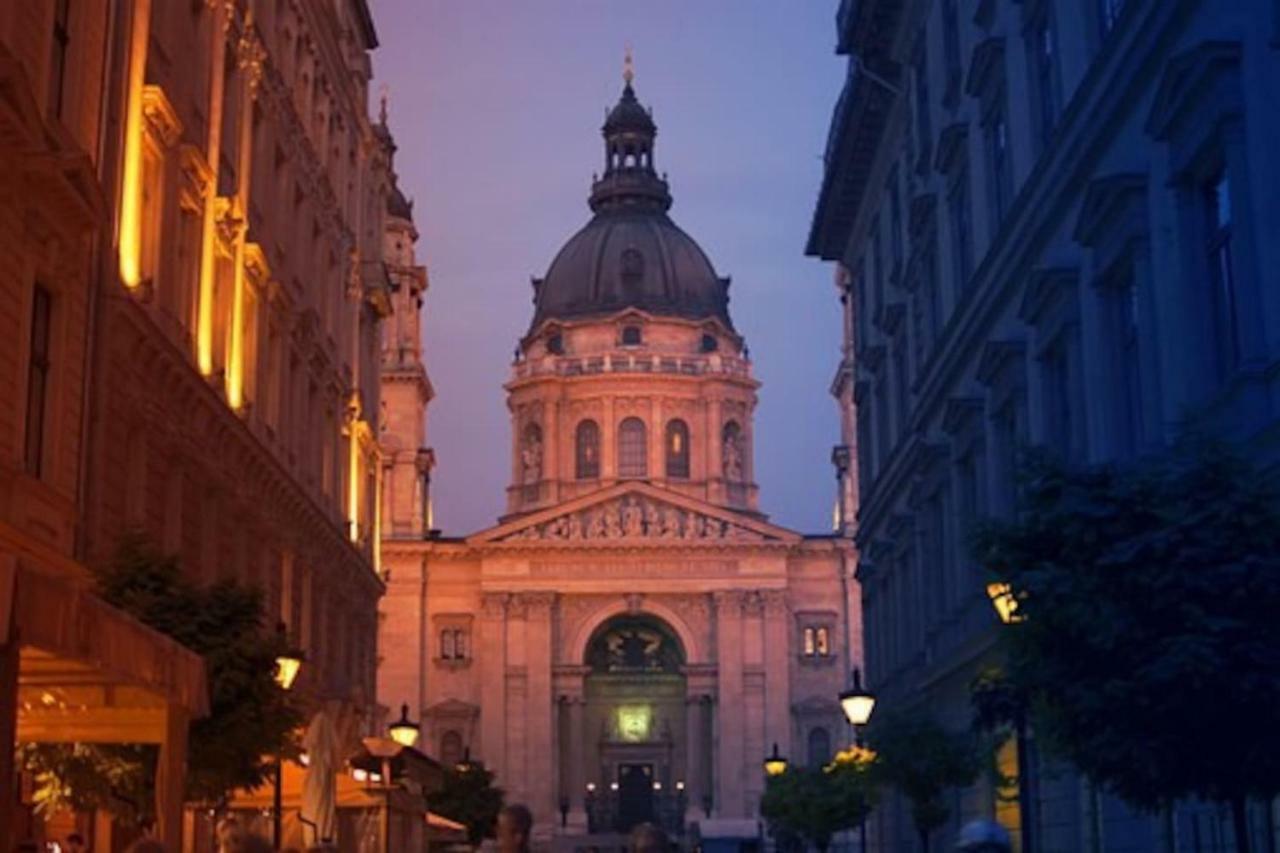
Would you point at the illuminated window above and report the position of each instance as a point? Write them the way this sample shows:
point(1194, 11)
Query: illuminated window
point(816, 641)
point(677, 449)
point(587, 451)
point(38, 378)
point(632, 449)
point(810, 645)
point(822, 642)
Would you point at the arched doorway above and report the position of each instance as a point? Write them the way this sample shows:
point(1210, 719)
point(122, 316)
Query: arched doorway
point(635, 720)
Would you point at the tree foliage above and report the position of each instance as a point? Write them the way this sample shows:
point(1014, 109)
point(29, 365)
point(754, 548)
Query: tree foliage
point(1150, 597)
point(922, 760)
point(814, 803)
point(251, 718)
point(469, 796)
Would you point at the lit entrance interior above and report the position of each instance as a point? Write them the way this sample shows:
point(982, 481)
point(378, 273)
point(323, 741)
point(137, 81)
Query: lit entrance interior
point(635, 705)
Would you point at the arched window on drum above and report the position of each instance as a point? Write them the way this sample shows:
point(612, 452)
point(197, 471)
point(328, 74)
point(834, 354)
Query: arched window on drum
point(677, 449)
point(633, 451)
point(587, 450)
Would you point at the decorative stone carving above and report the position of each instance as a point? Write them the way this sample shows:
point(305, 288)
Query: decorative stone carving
point(732, 456)
point(636, 518)
point(531, 456)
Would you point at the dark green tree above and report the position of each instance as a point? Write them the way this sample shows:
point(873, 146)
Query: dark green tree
point(250, 717)
point(1149, 646)
point(469, 796)
point(814, 803)
point(921, 760)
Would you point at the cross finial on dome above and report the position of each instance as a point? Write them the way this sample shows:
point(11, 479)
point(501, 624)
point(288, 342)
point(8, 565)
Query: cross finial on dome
point(628, 67)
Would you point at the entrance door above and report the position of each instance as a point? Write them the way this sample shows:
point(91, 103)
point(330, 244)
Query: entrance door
point(635, 795)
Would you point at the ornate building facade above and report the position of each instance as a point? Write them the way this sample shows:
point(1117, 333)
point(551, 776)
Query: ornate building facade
point(193, 291)
point(1050, 219)
point(633, 636)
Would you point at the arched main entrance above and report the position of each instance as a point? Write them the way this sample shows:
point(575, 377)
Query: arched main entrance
point(635, 720)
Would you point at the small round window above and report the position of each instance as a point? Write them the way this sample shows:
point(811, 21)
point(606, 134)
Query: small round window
point(709, 343)
point(555, 345)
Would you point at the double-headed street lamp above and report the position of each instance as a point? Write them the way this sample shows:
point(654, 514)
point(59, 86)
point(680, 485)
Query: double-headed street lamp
point(1006, 601)
point(857, 704)
point(288, 662)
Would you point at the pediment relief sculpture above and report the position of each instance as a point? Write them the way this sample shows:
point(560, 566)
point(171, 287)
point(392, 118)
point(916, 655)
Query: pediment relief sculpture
point(634, 518)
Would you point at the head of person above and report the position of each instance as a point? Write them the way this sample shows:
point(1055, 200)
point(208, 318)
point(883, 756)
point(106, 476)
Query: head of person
point(647, 838)
point(515, 822)
point(983, 836)
point(75, 843)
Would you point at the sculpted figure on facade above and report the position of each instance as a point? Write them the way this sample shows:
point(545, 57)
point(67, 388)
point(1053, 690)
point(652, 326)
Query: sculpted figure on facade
point(573, 527)
point(612, 521)
point(597, 528)
point(633, 518)
point(671, 523)
point(732, 455)
point(531, 455)
point(652, 518)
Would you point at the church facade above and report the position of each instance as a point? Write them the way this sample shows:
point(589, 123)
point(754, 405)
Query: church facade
point(634, 635)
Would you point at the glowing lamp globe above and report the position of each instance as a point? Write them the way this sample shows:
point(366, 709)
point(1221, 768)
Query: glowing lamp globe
point(404, 731)
point(857, 703)
point(1005, 602)
point(775, 764)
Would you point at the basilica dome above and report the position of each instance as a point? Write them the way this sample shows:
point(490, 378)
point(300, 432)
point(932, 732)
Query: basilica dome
point(630, 255)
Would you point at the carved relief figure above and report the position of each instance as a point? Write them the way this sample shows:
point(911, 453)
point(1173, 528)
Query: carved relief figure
point(575, 530)
point(651, 518)
point(732, 453)
point(671, 523)
point(596, 528)
point(556, 529)
point(633, 518)
point(531, 455)
point(612, 521)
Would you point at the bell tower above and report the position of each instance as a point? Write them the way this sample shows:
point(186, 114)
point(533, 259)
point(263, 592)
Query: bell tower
point(406, 388)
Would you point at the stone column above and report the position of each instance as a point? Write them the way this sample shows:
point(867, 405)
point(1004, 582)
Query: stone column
point(608, 443)
point(657, 442)
point(699, 690)
point(171, 774)
point(575, 790)
point(492, 659)
point(777, 674)
point(553, 464)
point(539, 762)
point(729, 717)
point(715, 473)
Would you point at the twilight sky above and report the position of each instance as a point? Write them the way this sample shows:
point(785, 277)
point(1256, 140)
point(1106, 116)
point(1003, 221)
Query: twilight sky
point(496, 106)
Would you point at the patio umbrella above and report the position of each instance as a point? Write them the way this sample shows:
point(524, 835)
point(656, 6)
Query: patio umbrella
point(319, 791)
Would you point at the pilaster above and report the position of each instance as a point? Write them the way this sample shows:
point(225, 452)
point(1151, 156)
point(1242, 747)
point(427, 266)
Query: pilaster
point(730, 738)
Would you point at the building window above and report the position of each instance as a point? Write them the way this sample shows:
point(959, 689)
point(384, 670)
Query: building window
point(58, 55)
point(633, 455)
point(959, 220)
point(453, 644)
point(1216, 195)
point(451, 749)
point(1000, 170)
point(895, 221)
point(709, 343)
point(921, 73)
point(819, 747)
point(38, 371)
point(677, 449)
point(1042, 44)
point(816, 641)
point(1109, 13)
point(1122, 305)
point(1056, 379)
point(631, 336)
point(555, 344)
point(587, 451)
point(951, 37)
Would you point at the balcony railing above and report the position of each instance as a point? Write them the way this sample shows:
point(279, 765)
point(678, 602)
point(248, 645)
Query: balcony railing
point(625, 362)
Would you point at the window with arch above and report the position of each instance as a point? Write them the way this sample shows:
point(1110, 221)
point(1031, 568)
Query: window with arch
point(632, 449)
point(677, 449)
point(451, 748)
point(819, 746)
point(586, 444)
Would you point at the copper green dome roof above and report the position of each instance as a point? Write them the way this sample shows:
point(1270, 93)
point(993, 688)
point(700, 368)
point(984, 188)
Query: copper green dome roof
point(631, 254)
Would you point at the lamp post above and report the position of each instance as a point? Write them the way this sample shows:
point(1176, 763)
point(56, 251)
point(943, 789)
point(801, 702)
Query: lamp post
point(775, 764)
point(1006, 601)
point(857, 705)
point(288, 662)
point(404, 731)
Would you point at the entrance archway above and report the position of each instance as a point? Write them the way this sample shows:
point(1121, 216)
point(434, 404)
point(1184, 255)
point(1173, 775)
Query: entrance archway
point(635, 718)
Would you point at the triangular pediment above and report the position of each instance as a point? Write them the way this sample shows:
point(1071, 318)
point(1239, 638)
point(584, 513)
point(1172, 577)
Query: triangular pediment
point(634, 514)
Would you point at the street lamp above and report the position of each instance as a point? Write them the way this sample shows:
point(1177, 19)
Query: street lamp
point(385, 749)
point(857, 704)
point(775, 764)
point(288, 662)
point(404, 731)
point(1005, 602)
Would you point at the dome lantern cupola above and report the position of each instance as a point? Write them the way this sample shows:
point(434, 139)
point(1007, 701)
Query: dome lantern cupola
point(629, 179)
